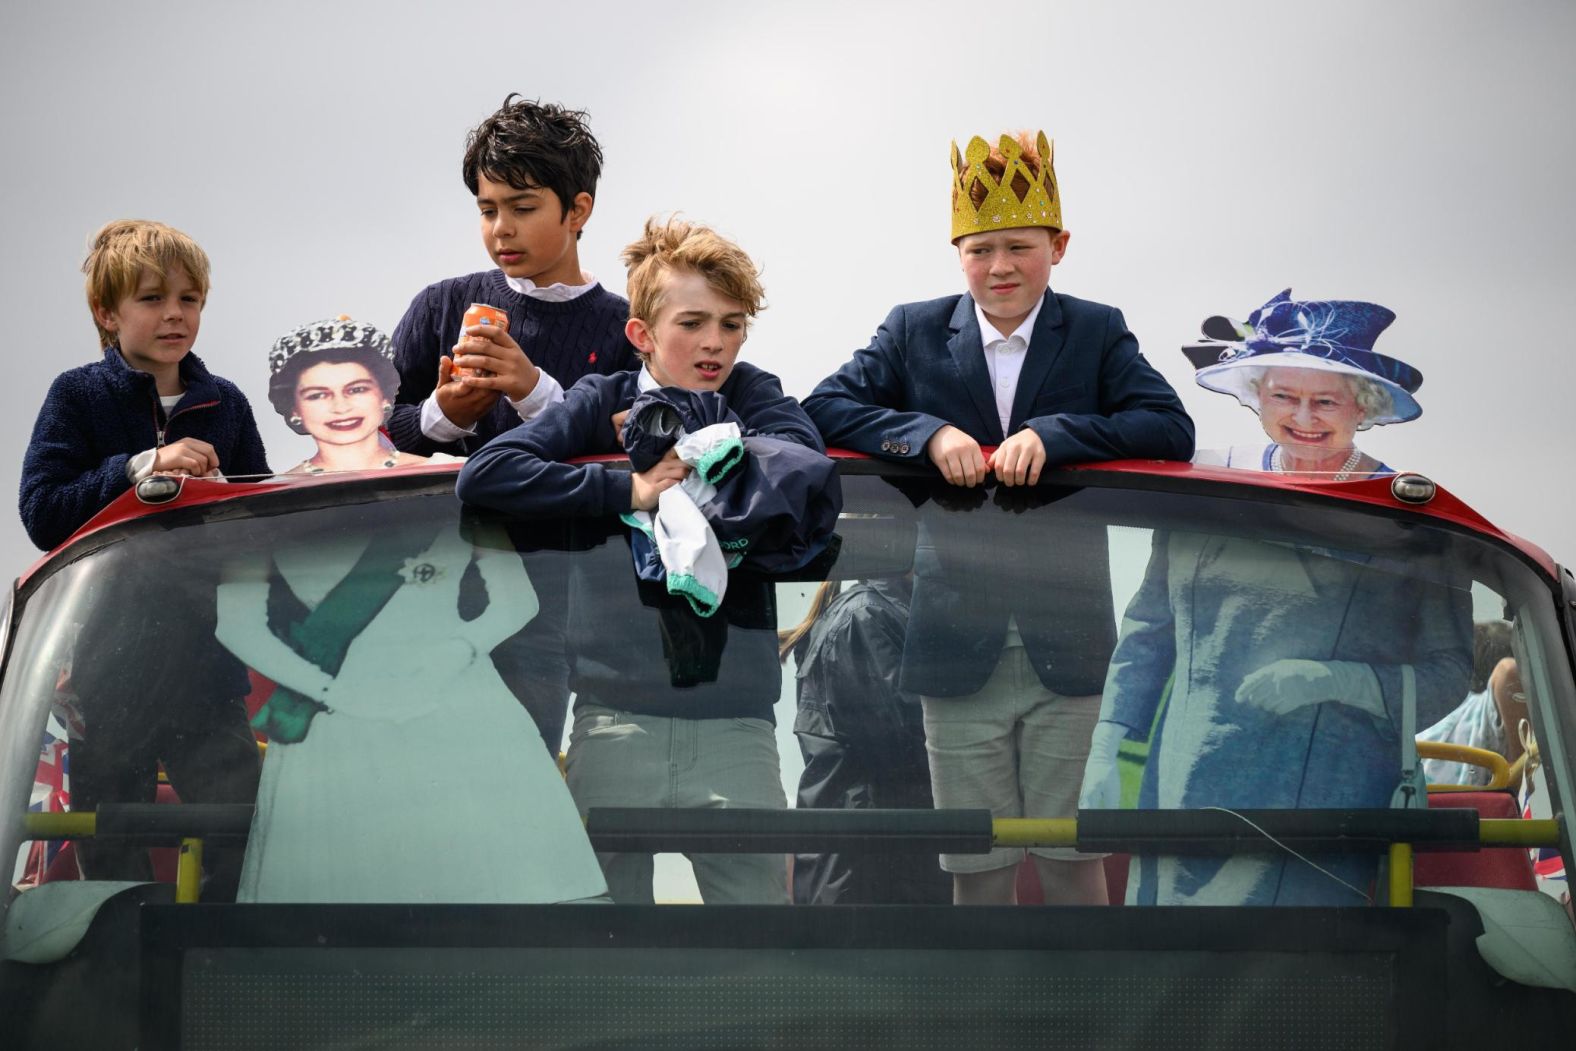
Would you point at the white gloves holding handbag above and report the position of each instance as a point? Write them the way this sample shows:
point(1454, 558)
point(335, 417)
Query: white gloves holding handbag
point(1285, 685)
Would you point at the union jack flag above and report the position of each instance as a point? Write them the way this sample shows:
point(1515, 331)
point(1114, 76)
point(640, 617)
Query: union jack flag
point(1546, 861)
point(51, 794)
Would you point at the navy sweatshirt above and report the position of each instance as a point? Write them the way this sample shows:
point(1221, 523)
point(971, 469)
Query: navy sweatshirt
point(631, 645)
point(579, 337)
point(97, 417)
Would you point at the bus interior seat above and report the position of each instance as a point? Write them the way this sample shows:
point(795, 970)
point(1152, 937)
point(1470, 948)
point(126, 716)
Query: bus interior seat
point(1509, 868)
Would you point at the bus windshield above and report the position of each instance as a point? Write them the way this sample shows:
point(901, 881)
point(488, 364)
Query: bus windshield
point(364, 693)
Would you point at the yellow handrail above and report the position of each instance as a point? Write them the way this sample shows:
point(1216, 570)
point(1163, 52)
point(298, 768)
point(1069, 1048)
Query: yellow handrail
point(1401, 875)
point(188, 872)
point(75, 824)
point(1034, 831)
point(1519, 832)
point(1499, 769)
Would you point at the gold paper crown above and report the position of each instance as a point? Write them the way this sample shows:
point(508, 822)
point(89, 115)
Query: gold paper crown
point(1018, 198)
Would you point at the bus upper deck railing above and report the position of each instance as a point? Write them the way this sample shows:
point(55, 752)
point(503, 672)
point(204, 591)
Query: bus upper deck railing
point(1397, 833)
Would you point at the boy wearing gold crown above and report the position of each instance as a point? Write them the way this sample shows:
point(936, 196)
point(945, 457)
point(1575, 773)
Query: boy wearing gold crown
point(1046, 379)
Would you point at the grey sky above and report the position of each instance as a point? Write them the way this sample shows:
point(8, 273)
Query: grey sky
point(1210, 154)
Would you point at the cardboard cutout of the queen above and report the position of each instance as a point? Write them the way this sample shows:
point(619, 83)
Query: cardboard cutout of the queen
point(400, 767)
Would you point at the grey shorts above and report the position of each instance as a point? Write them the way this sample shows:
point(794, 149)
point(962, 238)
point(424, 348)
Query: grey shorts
point(625, 759)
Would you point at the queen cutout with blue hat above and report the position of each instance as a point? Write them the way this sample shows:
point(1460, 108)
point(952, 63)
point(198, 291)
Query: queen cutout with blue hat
point(1279, 673)
point(1308, 368)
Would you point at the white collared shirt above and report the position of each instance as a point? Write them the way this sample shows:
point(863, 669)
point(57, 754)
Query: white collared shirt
point(548, 391)
point(1004, 361)
point(554, 293)
point(1004, 358)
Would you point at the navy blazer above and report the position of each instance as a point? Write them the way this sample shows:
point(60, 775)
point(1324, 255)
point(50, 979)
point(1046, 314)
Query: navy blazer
point(1089, 394)
point(1085, 389)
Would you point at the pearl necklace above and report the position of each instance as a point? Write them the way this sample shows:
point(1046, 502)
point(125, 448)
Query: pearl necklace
point(1278, 463)
point(313, 468)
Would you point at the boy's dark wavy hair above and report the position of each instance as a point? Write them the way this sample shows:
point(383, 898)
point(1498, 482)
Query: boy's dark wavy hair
point(528, 144)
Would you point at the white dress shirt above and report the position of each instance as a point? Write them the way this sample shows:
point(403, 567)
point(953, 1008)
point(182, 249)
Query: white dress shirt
point(1004, 361)
point(1004, 358)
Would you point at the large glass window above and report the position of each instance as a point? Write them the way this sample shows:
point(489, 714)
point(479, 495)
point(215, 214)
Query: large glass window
point(390, 679)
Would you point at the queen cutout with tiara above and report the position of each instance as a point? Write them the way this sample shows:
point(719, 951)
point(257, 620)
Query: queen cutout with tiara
point(400, 767)
point(335, 381)
point(1309, 370)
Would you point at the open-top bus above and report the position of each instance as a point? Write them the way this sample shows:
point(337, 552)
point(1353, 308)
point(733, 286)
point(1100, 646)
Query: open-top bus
point(1461, 934)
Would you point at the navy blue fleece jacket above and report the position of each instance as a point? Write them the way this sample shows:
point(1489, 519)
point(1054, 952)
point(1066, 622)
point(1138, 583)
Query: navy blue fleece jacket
point(97, 417)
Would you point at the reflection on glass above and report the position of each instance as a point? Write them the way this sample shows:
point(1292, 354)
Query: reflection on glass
point(402, 766)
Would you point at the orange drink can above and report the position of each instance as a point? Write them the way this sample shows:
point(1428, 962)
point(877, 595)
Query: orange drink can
point(480, 314)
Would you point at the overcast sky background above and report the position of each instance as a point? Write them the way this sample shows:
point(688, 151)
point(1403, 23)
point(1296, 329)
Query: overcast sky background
point(1210, 154)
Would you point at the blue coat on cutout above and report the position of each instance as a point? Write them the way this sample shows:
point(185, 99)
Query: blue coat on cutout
point(1211, 611)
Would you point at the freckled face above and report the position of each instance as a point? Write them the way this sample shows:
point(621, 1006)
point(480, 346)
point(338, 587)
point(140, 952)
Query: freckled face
point(1007, 271)
point(696, 337)
point(339, 403)
point(1311, 408)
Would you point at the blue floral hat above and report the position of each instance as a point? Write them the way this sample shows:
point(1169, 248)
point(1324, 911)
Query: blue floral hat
point(1332, 335)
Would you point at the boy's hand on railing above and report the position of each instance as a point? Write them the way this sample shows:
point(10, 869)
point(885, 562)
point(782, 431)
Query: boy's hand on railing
point(1019, 459)
point(496, 361)
point(462, 404)
point(188, 456)
point(646, 486)
point(957, 456)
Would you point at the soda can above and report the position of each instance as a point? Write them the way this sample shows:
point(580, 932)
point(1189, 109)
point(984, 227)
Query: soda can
point(480, 314)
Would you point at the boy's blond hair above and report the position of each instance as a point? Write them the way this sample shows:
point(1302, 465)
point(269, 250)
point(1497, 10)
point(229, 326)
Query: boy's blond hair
point(676, 244)
point(123, 249)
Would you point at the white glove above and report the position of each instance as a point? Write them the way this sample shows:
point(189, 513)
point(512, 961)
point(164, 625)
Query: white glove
point(1283, 686)
point(1102, 783)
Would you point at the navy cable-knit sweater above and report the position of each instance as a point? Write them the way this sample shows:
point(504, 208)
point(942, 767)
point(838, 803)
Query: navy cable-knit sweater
point(97, 417)
point(579, 337)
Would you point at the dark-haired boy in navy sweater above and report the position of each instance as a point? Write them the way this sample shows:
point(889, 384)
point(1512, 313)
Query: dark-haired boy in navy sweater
point(533, 168)
point(152, 683)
